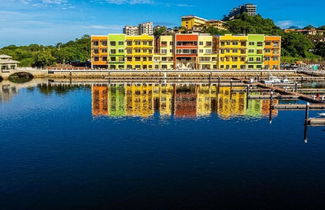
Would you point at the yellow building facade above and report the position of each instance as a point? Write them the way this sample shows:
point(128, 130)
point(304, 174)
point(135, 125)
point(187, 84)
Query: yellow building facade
point(232, 51)
point(189, 22)
point(164, 53)
point(207, 56)
point(139, 52)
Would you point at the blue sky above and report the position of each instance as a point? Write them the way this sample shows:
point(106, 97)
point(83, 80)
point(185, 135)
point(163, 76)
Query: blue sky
point(52, 21)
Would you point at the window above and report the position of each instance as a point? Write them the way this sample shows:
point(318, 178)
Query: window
point(276, 44)
point(113, 51)
point(250, 51)
point(259, 44)
point(267, 58)
point(209, 43)
point(243, 51)
point(201, 43)
point(259, 66)
point(96, 58)
point(163, 51)
point(164, 59)
point(129, 51)
point(137, 59)
point(267, 43)
point(129, 66)
point(250, 66)
point(171, 43)
point(235, 51)
point(267, 50)
point(163, 44)
point(201, 51)
point(137, 51)
point(250, 59)
point(129, 58)
point(235, 59)
point(96, 51)
point(208, 51)
point(144, 58)
point(235, 43)
point(258, 59)
point(222, 66)
point(251, 43)
point(234, 66)
point(95, 43)
point(137, 43)
point(113, 58)
point(164, 66)
point(104, 50)
point(242, 59)
point(120, 43)
point(275, 58)
point(104, 43)
point(243, 43)
point(129, 43)
point(113, 43)
point(104, 58)
point(121, 51)
point(259, 51)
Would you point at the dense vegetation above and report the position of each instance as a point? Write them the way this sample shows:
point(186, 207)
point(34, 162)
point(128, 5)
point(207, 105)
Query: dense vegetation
point(296, 46)
point(39, 56)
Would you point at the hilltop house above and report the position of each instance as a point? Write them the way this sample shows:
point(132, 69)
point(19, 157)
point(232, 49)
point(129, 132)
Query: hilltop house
point(6, 63)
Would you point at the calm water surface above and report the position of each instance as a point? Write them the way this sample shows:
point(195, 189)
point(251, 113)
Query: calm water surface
point(155, 147)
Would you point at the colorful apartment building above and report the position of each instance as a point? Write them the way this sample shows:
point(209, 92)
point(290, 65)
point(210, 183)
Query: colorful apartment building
point(99, 52)
point(186, 51)
point(232, 51)
point(197, 24)
point(272, 52)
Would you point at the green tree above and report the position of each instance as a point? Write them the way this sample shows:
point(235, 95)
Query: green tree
point(214, 31)
point(159, 31)
point(245, 24)
point(296, 45)
point(320, 49)
point(43, 59)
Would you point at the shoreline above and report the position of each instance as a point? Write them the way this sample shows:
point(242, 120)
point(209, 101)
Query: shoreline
point(160, 74)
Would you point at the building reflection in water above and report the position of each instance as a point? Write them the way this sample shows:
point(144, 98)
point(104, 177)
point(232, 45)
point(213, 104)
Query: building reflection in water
point(180, 101)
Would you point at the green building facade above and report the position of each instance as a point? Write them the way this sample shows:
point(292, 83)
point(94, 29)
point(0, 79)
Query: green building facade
point(116, 46)
point(255, 54)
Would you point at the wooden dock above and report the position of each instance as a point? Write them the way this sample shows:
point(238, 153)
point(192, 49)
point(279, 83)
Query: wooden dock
point(316, 122)
point(298, 107)
point(287, 92)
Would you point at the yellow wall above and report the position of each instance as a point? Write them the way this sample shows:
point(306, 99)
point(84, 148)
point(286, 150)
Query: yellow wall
point(142, 47)
point(207, 58)
point(164, 58)
point(192, 21)
point(228, 54)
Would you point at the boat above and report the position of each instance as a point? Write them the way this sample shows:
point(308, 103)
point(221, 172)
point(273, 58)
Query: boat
point(321, 114)
point(272, 80)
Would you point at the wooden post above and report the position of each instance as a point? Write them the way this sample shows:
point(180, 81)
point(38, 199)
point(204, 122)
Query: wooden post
point(307, 113)
point(247, 95)
point(271, 104)
point(296, 86)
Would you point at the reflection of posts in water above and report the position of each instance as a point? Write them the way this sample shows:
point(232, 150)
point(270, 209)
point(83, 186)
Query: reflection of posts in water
point(306, 133)
point(271, 104)
point(306, 123)
point(247, 96)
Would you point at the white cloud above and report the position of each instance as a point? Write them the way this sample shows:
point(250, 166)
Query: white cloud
point(285, 23)
point(104, 27)
point(121, 2)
